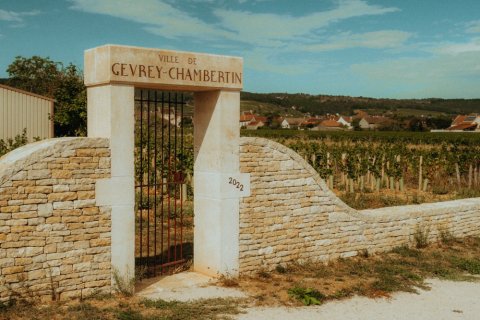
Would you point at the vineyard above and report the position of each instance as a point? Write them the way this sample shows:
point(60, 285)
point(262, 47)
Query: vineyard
point(377, 169)
point(392, 167)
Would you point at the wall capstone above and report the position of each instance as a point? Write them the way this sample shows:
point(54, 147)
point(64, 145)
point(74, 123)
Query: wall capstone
point(292, 216)
point(54, 239)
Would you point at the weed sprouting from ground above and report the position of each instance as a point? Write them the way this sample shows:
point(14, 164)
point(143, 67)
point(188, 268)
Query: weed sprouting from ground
point(446, 237)
point(308, 296)
point(421, 237)
point(228, 281)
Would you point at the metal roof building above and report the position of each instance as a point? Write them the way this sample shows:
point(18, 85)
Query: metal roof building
point(21, 110)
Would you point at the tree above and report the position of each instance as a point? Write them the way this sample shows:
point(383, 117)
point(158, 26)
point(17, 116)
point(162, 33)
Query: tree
point(356, 124)
point(36, 74)
point(64, 84)
point(70, 115)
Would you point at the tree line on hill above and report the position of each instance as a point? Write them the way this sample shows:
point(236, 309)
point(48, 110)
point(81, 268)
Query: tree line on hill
point(323, 104)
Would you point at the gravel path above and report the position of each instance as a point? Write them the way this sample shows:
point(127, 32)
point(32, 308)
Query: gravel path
point(445, 300)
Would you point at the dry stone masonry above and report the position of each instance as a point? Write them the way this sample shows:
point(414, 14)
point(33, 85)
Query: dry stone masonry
point(54, 239)
point(291, 215)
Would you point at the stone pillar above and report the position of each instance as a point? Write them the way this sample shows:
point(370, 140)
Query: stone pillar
point(216, 204)
point(111, 115)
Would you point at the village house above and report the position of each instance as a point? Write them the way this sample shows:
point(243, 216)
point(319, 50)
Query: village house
point(373, 122)
point(329, 124)
point(292, 123)
point(246, 117)
point(333, 122)
point(251, 121)
point(311, 123)
point(345, 121)
point(465, 123)
point(173, 117)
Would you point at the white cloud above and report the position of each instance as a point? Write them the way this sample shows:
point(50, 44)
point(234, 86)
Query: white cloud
point(269, 35)
point(261, 59)
point(159, 17)
point(12, 16)
point(456, 48)
point(377, 40)
point(270, 29)
point(265, 29)
point(473, 27)
point(444, 75)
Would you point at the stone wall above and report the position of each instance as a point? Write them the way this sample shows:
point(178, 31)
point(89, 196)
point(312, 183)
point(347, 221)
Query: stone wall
point(54, 239)
point(291, 215)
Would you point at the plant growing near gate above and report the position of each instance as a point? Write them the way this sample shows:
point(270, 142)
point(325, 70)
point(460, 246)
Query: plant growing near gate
point(421, 237)
point(308, 296)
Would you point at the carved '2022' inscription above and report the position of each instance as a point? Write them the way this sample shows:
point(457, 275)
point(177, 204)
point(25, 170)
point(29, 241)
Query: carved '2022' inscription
point(193, 74)
point(235, 183)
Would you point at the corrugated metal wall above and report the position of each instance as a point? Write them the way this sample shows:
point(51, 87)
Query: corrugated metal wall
point(20, 109)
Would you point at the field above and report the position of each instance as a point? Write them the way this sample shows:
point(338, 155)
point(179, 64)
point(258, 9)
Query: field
point(378, 169)
point(264, 108)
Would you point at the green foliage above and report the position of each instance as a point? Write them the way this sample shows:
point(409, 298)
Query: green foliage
point(446, 237)
point(421, 237)
point(308, 296)
point(70, 116)
point(470, 265)
point(281, 269)
point(52, 79)
point(35, 74)
point(10, 144)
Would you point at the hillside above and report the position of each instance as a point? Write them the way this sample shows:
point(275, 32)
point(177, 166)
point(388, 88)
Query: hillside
point(322, 104)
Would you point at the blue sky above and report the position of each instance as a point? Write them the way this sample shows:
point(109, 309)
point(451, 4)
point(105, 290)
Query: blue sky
point(389, 48)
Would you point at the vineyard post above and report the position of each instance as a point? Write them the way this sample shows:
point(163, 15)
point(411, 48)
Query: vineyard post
point(420, 173)
point(470, 173)
point(457, 170)
point(475, 176)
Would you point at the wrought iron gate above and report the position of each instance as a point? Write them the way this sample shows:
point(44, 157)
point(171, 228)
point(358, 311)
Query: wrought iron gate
point(160, 175)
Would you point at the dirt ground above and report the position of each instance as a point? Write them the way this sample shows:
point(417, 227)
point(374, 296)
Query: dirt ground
point(446, 300)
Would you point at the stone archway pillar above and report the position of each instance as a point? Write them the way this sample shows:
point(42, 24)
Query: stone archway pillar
point(216, 201)
point(111, 115)
point(111, 74)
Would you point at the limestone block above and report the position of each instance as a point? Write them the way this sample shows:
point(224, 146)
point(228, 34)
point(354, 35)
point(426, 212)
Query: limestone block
point(63, 196)
point(39, 174)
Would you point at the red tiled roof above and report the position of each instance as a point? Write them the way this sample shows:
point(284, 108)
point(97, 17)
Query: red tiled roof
point(459, 119)
point(262, 119)
point(330, 123)
point(376, 120)
point(294, 121)
point(246, 117)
